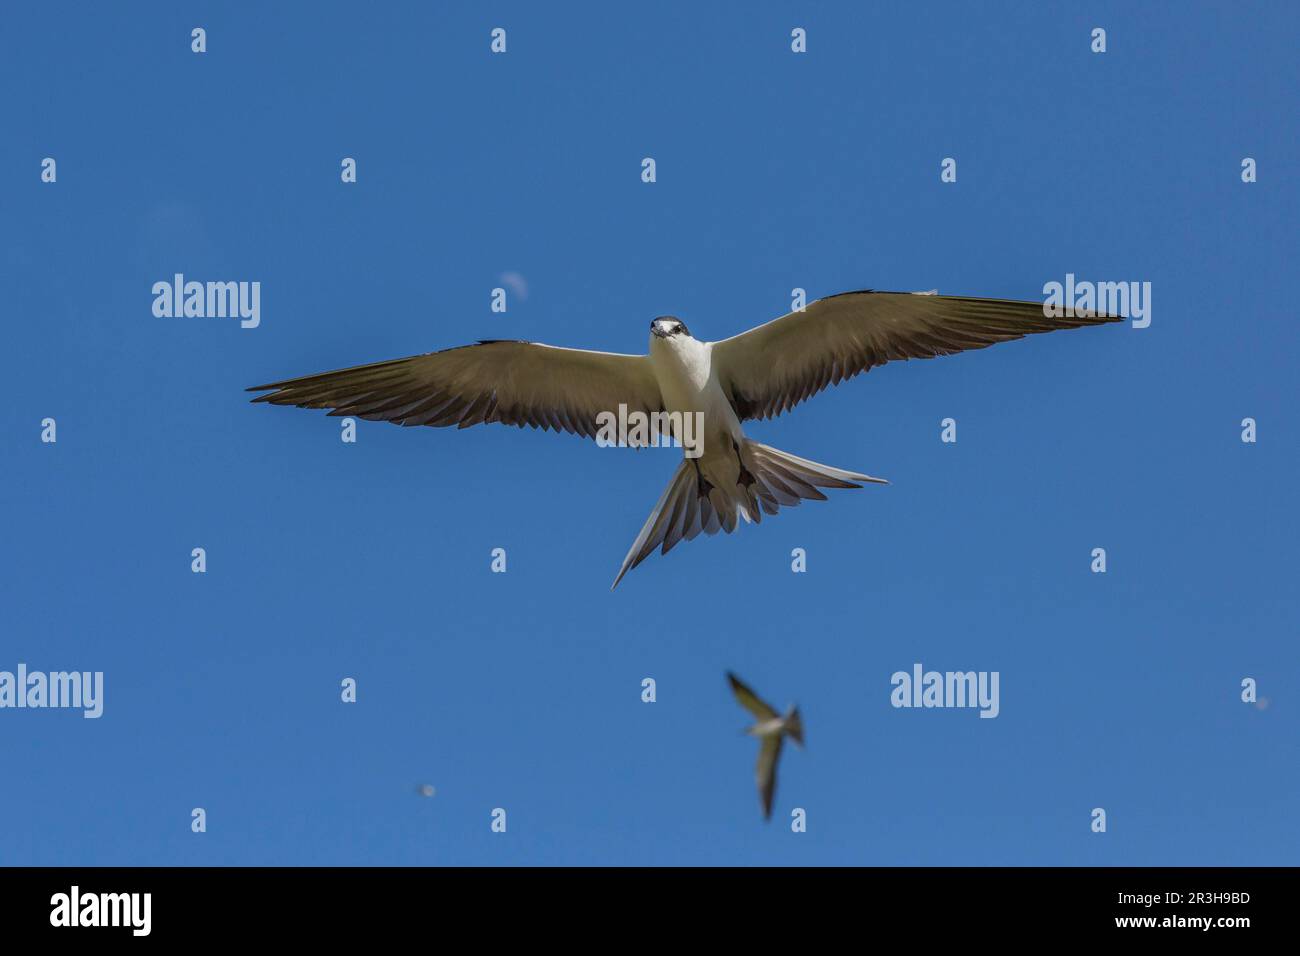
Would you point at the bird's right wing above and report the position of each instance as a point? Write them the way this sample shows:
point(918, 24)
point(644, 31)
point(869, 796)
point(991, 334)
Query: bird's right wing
point(769, 752)
point(749, 700)
point(770, 369)
point(515, 383)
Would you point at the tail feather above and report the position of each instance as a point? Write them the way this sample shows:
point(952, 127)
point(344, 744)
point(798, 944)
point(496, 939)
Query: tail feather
point(691, 505)
point(776, 476)
point(823, 476)
point(677, 521)
point(794, 725)
point(661, 528)
point(723, 508)
point(691, 525)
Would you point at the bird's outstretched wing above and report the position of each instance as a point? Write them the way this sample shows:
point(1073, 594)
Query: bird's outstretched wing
point(749, 700)
point(515, 383)
point(770, 369)
point(769, 752)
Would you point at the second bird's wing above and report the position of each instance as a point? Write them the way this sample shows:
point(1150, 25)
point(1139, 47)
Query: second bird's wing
point(749, 700)
point(769, 752)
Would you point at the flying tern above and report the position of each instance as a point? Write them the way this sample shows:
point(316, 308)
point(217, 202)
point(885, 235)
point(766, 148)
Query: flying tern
point(771, 730)
point(755, 375)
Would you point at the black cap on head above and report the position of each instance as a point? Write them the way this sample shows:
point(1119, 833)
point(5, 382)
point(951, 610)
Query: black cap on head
point(666, 326)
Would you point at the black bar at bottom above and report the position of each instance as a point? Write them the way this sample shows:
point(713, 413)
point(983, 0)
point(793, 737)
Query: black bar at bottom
point(337, 904)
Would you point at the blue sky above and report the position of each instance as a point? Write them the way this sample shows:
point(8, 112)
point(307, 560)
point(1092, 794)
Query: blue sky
point(522, 691)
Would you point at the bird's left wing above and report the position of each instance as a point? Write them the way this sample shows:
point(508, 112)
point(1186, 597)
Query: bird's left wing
point(770, 369)
point(515, 383)
point(749, 700)
point(769, 752)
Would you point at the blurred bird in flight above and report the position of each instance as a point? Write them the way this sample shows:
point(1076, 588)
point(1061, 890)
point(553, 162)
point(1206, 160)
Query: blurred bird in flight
point(771, 730)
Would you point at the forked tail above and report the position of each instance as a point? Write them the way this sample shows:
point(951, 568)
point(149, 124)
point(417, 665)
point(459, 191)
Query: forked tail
point(794, 725)
point(768, 480)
